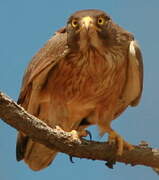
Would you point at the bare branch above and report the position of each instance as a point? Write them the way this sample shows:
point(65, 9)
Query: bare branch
point(17, 117)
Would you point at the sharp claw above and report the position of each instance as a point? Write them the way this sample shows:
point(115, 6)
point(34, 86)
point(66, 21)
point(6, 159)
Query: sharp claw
point(121, 144)
point(71, 159)
point(112, 141)
point(89, 134)
point(110, 163)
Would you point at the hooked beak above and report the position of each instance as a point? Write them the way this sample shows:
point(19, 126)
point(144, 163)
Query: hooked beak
point(87, 22)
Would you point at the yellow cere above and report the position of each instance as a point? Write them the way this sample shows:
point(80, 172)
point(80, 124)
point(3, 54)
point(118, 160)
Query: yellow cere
point(86, 21)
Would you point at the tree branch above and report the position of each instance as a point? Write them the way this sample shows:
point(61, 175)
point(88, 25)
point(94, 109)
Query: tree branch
point(17, 117)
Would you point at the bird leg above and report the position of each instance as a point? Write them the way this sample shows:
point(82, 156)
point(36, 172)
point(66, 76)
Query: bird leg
point(80, 133)
point(77, 134)
point(115, 138)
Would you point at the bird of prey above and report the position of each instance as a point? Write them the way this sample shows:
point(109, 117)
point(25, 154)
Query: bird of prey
point(88, 73)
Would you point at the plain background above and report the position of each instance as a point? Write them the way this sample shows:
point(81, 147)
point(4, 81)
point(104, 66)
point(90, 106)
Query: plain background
point(24, 27)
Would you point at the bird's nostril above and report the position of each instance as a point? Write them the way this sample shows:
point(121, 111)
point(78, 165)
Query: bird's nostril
point(86, 21)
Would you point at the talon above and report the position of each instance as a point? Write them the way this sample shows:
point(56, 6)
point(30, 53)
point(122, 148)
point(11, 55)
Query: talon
point(71, 159)
point(110, 163)
point(81, 133)
point(128, 146)
point(89, 134)
point(75, 135)
point(111, 141)
point(115, 138)
point(58, 128)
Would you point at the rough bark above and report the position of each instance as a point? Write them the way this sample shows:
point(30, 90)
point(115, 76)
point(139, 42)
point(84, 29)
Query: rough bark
point(17, 117)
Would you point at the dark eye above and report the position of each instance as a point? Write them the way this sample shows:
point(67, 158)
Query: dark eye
point(101, 21)
point(74, 23)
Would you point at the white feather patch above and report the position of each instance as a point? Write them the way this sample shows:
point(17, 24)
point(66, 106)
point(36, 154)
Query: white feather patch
point(132, 48)
point(132, 51)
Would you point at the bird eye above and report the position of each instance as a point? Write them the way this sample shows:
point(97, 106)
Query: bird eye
point(74, 23)
point(101, 20)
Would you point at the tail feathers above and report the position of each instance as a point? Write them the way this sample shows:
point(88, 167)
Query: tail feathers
point(21, 146)
point(156, 170)
point(38, 156)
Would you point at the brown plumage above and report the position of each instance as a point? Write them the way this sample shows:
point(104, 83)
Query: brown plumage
point(88, 73)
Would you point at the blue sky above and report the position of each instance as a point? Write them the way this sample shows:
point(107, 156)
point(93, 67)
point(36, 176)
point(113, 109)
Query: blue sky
point(24, 27)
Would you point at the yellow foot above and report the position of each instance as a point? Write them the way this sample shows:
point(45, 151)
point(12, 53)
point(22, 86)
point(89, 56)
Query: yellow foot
point(59, 128)
point(115, 138)
point(78, 134)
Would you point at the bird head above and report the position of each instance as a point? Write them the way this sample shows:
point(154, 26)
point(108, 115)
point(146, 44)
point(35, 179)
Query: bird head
point(88, 29)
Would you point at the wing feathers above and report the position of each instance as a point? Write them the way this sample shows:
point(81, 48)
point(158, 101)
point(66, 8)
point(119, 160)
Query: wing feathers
point(136, 66)
point(134, 83)
point(32, 96)
point(54, 50)
point(139, 71)
point(21, 146)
